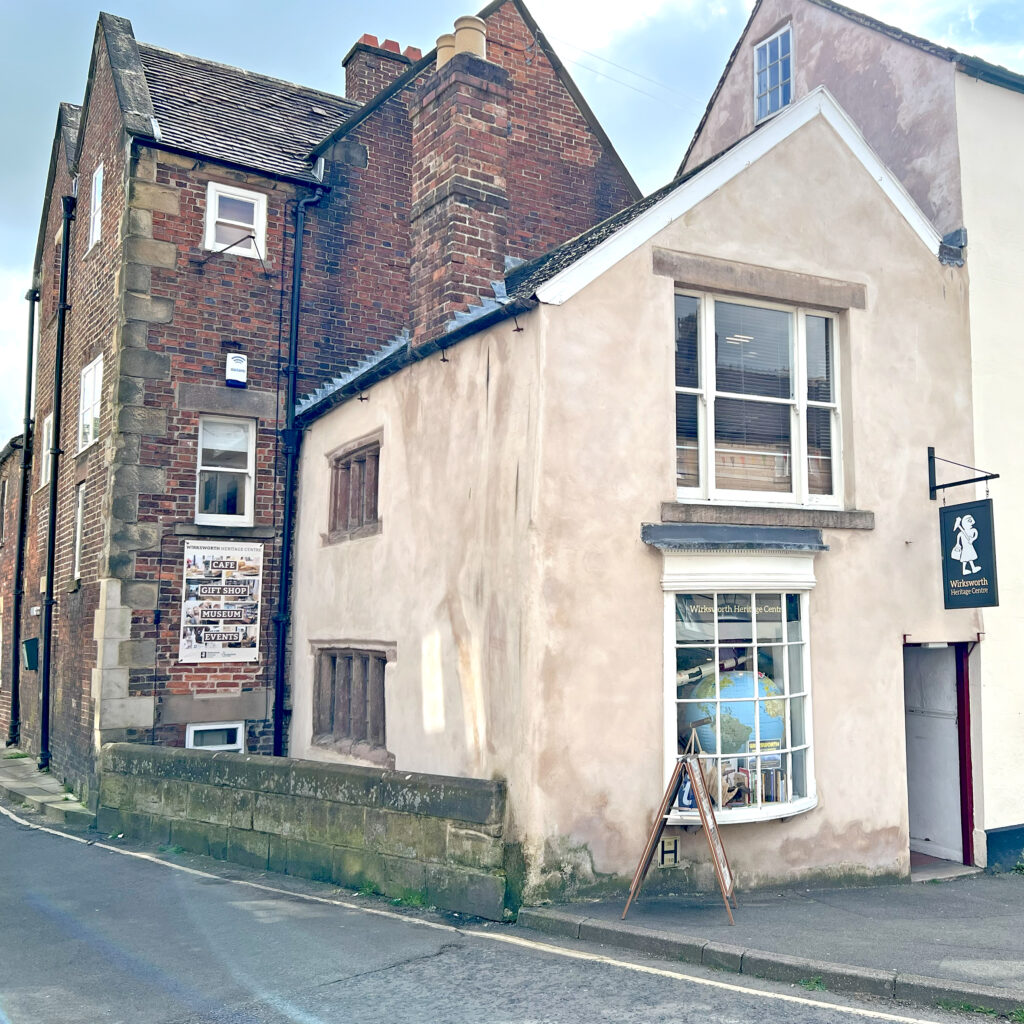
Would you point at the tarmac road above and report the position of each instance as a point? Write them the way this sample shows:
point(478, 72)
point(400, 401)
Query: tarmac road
point(90, 934)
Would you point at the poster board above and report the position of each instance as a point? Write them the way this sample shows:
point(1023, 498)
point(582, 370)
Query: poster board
point(687, 771)
point(222, 591)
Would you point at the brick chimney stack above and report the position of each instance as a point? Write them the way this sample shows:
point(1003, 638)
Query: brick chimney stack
point(371, 66)
point(459, 220)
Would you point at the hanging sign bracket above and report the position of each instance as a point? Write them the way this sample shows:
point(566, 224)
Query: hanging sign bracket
point(934, 488)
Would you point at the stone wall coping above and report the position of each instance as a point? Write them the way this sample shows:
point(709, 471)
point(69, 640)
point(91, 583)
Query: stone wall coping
point(475, 801)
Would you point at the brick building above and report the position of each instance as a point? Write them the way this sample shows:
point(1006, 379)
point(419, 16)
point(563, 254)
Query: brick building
point(181, 197)
point(10, 481)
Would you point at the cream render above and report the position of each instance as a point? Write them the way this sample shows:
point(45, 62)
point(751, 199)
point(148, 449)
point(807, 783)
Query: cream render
point(527, 617)
point(991, 143)
point(948, 126)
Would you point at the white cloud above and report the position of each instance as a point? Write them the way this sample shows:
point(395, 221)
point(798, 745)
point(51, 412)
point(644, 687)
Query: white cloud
point(599, 25)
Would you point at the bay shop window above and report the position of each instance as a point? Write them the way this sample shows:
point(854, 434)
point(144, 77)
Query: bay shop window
point(757, 416)
point(738, 689)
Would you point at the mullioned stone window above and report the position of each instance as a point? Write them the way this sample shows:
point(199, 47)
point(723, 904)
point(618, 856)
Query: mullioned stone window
point(348, 703)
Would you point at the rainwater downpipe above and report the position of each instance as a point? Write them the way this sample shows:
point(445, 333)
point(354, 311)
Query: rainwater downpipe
point(68, 203)
point(27, 443)
point(291, 438)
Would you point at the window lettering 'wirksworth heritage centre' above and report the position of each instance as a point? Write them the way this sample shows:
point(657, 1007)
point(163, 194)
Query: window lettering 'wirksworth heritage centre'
point(404, 499)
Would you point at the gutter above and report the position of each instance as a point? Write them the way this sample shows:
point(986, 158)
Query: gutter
point(291, 438)
point(408, 355)
point(68, 203)
point(14, 725)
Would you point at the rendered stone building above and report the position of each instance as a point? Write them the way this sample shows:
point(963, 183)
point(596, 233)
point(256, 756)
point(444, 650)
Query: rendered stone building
point(951, 128)
point(677, 487)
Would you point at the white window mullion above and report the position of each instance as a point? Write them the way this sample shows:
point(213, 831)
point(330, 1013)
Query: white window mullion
point(800, 450)
point(707, 341)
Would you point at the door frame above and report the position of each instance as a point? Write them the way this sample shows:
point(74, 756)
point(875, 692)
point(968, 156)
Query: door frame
point(962, 655)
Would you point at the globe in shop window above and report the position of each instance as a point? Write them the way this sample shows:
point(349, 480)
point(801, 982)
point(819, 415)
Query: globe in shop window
point(741, 699)
point(224, 491)
point(757, 416)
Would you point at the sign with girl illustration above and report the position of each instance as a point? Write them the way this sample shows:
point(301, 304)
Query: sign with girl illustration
point(968, 555)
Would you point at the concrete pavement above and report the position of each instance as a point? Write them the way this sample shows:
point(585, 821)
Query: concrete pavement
point(22, 783)
point(957, 942)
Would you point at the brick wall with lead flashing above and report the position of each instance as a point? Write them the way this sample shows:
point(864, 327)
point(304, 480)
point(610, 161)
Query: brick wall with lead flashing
point(422, 838)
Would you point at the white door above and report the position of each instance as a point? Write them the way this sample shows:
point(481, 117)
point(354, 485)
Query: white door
point(933, 752)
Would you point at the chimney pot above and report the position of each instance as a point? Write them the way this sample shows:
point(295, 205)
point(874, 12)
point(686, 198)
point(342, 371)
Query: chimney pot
point(414, 53)
point(471, 36)
point(369, 40)
point(390, 44)
point(445, 49)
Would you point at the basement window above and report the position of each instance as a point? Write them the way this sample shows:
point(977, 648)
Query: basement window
point(236, 220)
point(216, 736)
point(773, 74)
point(348, 702)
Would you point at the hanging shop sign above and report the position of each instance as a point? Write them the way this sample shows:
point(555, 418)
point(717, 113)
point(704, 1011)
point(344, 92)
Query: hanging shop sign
point(968, 555)
point(221, 596)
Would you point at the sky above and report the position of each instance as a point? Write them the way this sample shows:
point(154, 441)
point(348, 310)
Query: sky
point(647, 68)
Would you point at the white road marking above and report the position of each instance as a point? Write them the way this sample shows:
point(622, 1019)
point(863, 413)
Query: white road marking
point(512, 940)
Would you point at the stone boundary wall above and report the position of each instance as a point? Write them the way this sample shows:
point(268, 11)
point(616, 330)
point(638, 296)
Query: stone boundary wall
point(426, 839)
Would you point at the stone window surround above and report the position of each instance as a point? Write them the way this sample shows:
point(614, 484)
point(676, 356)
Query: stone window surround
point(357, 751)
point(759, 283)
point(367, 527)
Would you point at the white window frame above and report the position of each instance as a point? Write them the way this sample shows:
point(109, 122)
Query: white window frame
point(246, 517)
point(44, 450)
point(761, 572)
point(193, 727)
point(257, 247)
point(76, 557)
point(90, 401)
point(96, 207)
point(800, 495)
point(763, 45)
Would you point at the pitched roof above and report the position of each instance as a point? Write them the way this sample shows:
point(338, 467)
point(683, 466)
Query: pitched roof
point(579, 261)
point(238, 116)
point(994, 73)
point(363, 111)
point(65, 142)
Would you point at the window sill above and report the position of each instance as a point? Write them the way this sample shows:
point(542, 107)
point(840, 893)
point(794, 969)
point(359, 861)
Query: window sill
point(358, 751)
point(210, 530)
point(742, 815)
point(220, 251)
point(85, 449)
point(763, 515)
point(339, 536)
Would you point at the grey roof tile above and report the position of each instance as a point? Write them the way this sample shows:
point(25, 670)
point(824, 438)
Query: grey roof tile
point(238, 116)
